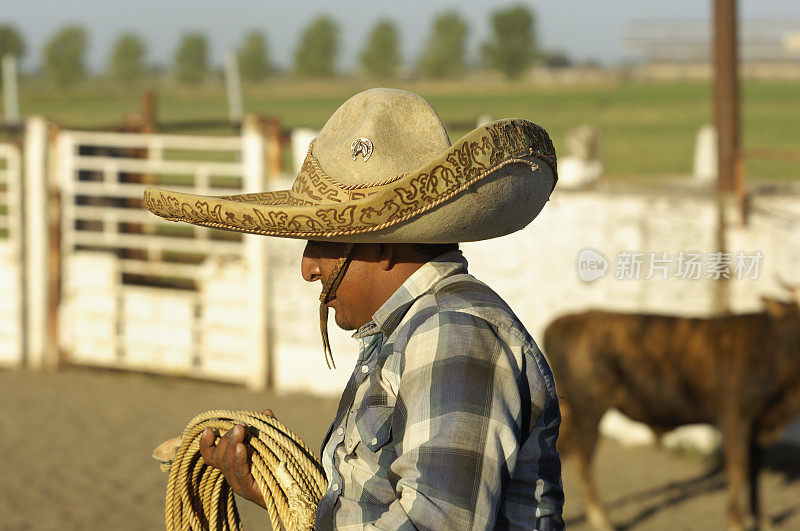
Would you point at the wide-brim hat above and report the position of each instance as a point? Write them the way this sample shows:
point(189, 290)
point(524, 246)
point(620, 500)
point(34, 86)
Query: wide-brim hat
point(383, 170)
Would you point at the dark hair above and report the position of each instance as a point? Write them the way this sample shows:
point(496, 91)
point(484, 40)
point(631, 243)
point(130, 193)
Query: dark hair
point(432, 250)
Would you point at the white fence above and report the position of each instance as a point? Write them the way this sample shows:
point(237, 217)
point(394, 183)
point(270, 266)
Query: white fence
point(138, 292)
point(11, 317)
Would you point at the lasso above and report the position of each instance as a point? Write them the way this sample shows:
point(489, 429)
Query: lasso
point(286, 471)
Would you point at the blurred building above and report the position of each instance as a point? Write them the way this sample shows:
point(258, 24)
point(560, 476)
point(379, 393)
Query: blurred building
point(682, 49)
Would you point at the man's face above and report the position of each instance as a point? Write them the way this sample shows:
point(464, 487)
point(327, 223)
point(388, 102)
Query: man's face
point(350, 300)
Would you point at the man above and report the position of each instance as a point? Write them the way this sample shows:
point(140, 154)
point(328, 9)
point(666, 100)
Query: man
point(450, 417)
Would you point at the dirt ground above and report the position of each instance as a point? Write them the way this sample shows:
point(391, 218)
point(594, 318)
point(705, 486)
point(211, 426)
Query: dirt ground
point(75, 448)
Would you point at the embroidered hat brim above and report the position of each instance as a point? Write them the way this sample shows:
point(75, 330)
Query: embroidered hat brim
point(493, 181)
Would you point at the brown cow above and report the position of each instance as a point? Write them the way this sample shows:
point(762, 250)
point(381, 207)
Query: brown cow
point(739, 372)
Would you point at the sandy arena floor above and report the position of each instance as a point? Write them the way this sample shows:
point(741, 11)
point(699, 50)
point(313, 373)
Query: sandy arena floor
point(75, 449)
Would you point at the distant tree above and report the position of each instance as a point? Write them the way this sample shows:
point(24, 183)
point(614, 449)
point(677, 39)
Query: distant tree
point(126, 62)
point(64, 56)
point(512, 46)
point(191, 59)
point(316, 53)
point(254, 62)
point(556, 59)
point(11, 41)
point(444, 52)
point(381, 56)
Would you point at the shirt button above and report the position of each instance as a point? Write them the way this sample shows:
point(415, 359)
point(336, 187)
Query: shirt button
point(335, 487)
point(374, 441)
point(364, 369)
point(339, 431)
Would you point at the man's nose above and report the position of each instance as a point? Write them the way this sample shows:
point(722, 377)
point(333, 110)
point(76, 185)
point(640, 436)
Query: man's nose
point(309, 267)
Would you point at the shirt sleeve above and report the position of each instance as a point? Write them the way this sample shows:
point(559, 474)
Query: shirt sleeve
point(457, 426)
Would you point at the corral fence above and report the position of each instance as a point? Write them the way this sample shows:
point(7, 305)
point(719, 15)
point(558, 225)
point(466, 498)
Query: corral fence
point(142, 293)
point(109, 284)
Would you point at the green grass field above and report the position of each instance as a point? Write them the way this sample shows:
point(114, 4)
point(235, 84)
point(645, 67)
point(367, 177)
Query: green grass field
point(648, 128)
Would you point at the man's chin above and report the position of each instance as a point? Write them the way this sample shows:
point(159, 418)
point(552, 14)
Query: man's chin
point(343, 323)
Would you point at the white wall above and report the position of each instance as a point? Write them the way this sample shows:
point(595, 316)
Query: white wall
point(298, 360)
point(10, 307)
point(538, 274)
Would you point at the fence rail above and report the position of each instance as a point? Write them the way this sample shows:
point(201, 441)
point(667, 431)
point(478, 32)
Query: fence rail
point(157, 142)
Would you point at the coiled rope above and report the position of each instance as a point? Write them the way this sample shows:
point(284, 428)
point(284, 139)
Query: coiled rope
point(287, 473)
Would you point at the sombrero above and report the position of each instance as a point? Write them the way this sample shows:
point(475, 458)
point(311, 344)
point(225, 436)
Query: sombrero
point(383, 170)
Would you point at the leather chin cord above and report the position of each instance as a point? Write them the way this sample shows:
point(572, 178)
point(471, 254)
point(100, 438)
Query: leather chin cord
point(329, 287)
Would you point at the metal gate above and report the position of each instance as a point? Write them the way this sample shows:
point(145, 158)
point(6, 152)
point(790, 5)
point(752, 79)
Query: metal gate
point(11, 238)
point(141, 293)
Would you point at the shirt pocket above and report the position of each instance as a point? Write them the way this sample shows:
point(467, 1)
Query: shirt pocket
point(373, 426)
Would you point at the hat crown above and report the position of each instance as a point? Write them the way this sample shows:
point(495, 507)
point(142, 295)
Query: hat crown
point(379, 134)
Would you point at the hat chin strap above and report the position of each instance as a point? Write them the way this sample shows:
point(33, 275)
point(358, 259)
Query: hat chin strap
point(329, 286)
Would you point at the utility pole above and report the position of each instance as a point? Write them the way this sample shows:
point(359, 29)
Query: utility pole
point(730, 184)
point(730, 178)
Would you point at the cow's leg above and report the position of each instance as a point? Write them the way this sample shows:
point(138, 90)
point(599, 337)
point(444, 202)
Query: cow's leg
point(578, 439)
point(756, 504)
point(737, 466)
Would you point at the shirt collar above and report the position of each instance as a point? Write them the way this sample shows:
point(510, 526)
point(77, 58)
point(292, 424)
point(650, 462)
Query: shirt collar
point(423, 279)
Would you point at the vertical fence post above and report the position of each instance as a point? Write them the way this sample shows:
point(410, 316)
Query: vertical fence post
point(274, 134)
point(12, 304)
point(233, 86)
point(37, 281)
point(148, 111)
point(10, 100)
point(260, 357)
point(56, 156)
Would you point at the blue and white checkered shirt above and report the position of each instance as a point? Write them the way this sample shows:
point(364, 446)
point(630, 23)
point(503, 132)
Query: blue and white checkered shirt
point(450, 418)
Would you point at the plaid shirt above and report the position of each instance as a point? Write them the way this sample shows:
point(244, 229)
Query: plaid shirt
point(450, 418)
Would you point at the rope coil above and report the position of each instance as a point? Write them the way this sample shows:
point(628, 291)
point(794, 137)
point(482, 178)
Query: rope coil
point(287, 473)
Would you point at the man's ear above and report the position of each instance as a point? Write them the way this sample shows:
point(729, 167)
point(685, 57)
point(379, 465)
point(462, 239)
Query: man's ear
point(386, 255)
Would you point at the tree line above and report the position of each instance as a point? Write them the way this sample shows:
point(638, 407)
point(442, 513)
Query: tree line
point(511, 48)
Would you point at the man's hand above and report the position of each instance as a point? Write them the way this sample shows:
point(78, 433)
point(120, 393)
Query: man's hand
point(230, 456)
